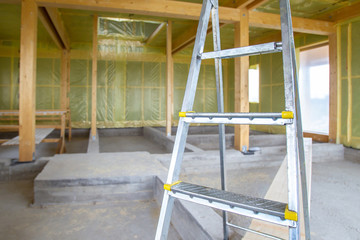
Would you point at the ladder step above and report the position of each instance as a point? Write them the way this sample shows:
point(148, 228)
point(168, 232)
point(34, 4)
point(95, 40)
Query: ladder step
point(264, 48)
point(258, 208)
point(282, 118)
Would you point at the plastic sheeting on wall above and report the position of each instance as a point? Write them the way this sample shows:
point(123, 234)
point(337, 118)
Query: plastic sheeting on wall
point(349, 88)
point(131, 79)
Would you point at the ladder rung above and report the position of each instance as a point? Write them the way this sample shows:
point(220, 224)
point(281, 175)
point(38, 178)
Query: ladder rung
point(239, 118)
point(263, 209)
point(264, 48)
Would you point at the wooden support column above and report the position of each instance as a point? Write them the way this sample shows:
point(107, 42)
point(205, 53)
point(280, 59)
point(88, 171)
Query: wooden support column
point(27, 88)
point(241, 38)
point(333, 88)
point(64, 84)
point(169, 79)
point(94, 78)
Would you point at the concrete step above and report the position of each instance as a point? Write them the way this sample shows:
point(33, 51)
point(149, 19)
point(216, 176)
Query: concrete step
point(98, 177)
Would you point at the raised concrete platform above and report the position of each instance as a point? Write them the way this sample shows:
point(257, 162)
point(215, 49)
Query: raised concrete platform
point(83, 178)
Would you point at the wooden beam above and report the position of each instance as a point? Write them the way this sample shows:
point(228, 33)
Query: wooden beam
point(94, 77)
point(188, 38)
point(169, 9)
point(333, 88)
point(155, 33)
point(169, 79)
point(256, 4)
point(241, 38)
point(45, 20)
point(343, 14)
point(59, 25)
point(27, 75)
point(244, 3)
point(304, 25)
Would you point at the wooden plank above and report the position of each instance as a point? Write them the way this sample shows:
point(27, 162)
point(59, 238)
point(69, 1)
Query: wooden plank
point(304, 25)
point(333, 88)
point(45, 20)
point(169, 9)
point(278, 192)
point(27, 75)
point(155, 33)
point(58, 23)
point(317, 137)
point(94, 77)
point(40, 134)
point(169, 79)
point(244, 3)
point(241, 38)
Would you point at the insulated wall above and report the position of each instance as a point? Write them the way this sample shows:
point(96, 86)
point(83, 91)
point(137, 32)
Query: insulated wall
point(349, 85)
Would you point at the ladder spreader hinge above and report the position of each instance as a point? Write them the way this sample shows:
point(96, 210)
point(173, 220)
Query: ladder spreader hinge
point(290, 215)
point(168, 186)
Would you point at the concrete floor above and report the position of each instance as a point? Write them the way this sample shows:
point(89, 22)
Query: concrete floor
point(334, 211)
point(120, 220)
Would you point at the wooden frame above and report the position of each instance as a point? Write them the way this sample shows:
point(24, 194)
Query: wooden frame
point(169, 79)
point(62, 114)
point(94, 77)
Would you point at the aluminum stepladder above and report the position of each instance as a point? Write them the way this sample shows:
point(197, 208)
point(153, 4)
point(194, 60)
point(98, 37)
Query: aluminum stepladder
point(285, 214)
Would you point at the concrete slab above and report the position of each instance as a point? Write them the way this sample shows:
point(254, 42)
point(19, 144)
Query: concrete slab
point(77, 178)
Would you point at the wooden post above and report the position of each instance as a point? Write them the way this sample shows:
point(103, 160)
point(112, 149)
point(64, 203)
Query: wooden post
point(169, 79)
point(64, 79)
point(333, 88)
point(241, 38)
point(27, 88)
point(94, 78)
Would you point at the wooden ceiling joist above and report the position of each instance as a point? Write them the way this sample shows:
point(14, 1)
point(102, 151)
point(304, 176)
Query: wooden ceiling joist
point(343, 14)
point(169, 9)
point(186, 10)
point(302, 25)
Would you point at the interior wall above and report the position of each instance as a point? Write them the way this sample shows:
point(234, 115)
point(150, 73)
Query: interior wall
point(271, 84)
point(349, 85)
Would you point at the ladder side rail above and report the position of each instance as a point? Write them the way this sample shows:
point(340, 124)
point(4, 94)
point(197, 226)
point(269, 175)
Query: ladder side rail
point(182, 131)
point(292, 154)
point(303, 178)
point(220, 104)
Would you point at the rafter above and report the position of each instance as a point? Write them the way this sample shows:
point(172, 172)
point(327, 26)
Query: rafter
point(256, 4)
point(155, 33)
point(59, 25)
point(45, 20)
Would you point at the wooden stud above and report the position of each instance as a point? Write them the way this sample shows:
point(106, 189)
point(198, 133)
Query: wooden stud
point(333, 88)
point(169, 79)
point(241, 38)
point(349, 83)
point(94, 77)
point(27, 75)
point(64, 79)
point(338, 33)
